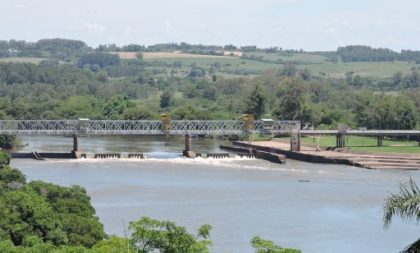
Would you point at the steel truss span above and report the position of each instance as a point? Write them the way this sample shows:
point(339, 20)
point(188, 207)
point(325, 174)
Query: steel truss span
point(143, 127)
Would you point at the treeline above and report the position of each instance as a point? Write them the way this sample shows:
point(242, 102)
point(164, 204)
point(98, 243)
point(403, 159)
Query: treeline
point(327, 105)
point(70, 50)
point(191, 48)
point(398, 81)
point(61, 49)
point(39, 217)
point(369, 54)
point(65, 49)
point(54, 91)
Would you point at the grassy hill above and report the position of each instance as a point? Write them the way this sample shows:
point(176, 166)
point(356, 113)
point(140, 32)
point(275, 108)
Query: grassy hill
point(23, 59)
point(258, 62)
point(253, 63)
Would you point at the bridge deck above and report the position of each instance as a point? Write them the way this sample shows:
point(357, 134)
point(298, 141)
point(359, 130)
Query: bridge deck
point(140, 127)
point(364, 132)
point(176, 127)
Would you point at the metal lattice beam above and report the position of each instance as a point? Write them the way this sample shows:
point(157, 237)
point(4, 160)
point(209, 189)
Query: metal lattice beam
point(140, 127)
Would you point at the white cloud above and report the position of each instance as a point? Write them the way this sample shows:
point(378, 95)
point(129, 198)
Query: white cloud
point(167, 26)
point(19, 6)
point(94, 28)
point(128, 31)
point(202, 26)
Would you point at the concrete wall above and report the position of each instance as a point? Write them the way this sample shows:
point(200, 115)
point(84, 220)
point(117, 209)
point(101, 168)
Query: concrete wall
point(43, 155)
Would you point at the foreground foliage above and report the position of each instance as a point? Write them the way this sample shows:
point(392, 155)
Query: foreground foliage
point(265, 246)
point(404, 204)
point(7, 141)
point(41, 212)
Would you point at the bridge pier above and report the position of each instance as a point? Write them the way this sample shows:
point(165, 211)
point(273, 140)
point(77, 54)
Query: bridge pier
point(341, 140)
point(187, 151)
point(76, 152)
point(380, 139)
point(294, 140)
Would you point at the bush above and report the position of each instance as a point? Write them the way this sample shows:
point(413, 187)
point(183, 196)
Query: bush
point(7, 141)
point(4, 159)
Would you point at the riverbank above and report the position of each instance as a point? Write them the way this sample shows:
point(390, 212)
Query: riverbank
point(365, 144)
point(358, 159)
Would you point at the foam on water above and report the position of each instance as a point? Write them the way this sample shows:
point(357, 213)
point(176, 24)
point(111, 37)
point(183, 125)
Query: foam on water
point(237, 163)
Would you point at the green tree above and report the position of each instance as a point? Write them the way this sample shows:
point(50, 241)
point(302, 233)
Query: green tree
point(289, 70)
point(293, 95)
point(404, 204)
point(7, 141)
point(139, 55)
point(385, 111)
point(9, 175)
point(100, 59)
point(74, 211)
point(115, 107)
point(255, 104)
point(114, 244)
point(4, 160)
point(102, 76)
point(79, 107)
point(166, 99)
point(137, 114)
point(150, 235)
point(197, 72)
point(265, 246)
point(24, 213)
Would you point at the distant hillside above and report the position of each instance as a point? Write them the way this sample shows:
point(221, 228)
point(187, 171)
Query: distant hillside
point(177, 59)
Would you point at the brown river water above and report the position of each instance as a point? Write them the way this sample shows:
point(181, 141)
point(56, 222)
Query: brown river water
point(314, 207)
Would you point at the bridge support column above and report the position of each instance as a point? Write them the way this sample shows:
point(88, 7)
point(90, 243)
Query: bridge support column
point(341, 141)
point(294, 140)
point(187, 151)
point(76, 152)
point(380, 139)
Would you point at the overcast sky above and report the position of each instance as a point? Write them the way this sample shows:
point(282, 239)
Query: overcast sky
point(306, 24)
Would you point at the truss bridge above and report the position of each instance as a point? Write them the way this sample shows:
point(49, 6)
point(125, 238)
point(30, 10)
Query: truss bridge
point(143, 127)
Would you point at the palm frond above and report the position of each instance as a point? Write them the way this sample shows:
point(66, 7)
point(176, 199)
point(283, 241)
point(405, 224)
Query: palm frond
point(405, 203)
point(412, 248)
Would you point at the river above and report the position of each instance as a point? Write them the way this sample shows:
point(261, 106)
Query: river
point(338, 210)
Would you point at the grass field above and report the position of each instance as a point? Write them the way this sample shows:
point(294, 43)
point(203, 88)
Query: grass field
point(22, 59)
point(302, 57)
point(365, 69)
point(167, 55)
point(317, 64)
point(358, 143)
point(235, 66)
point(227, 65)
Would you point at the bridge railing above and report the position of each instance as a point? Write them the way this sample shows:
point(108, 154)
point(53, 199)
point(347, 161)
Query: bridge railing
point(141, 127)
point(216, 127)
point(276, 127)
point(38, 126)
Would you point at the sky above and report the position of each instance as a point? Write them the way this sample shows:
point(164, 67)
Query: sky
point(290, 24)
